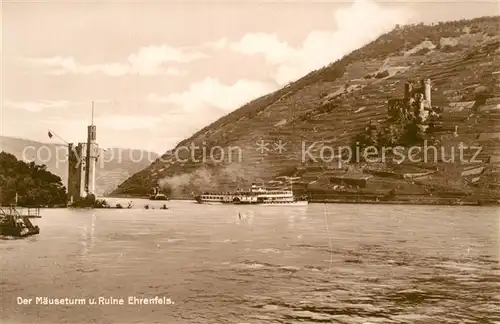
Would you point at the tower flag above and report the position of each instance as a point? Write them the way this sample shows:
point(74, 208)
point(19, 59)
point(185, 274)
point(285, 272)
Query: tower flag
point(52, 134)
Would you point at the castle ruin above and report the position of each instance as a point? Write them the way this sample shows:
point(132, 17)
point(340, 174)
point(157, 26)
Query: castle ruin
point(416, 102)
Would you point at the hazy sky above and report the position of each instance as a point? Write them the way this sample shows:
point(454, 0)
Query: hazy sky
point(159, 71)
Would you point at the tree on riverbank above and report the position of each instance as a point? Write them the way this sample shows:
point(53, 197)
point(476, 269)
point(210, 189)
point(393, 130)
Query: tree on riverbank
point(34, 185)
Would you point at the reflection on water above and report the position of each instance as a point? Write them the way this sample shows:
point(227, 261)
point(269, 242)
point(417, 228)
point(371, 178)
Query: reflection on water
point(259, 264)
point(87, 230)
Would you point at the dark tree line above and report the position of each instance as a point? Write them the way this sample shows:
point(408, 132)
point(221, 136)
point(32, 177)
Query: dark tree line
point(402, 131)
point(34, 185)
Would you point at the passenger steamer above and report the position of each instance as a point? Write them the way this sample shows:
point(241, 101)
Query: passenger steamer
point(256, 195)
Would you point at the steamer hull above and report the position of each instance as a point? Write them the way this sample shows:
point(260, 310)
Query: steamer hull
point(255, 196)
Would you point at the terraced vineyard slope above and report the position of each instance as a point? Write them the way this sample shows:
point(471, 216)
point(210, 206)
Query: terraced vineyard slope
point(331, 106)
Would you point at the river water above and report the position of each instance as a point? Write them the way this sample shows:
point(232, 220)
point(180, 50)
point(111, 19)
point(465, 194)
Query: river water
point(316, 264)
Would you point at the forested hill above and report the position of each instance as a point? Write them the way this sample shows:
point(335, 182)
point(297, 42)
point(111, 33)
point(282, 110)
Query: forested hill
point(332, 105)
point(34, 185)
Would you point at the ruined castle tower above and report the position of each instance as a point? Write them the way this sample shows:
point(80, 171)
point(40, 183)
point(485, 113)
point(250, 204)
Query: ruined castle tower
point(418, 106)
point(416, 102)
point(425, 99)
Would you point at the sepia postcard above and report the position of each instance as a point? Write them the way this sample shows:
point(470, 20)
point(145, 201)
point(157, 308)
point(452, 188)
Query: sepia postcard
point(249, 162)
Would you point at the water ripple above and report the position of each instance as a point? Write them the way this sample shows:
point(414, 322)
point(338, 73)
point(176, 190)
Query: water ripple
point(374, 264)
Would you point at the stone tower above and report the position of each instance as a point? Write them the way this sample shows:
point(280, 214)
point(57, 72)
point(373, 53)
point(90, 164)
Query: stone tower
point(426, 90)
point(76, 171)
point(91, 159)
point(82, 160)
